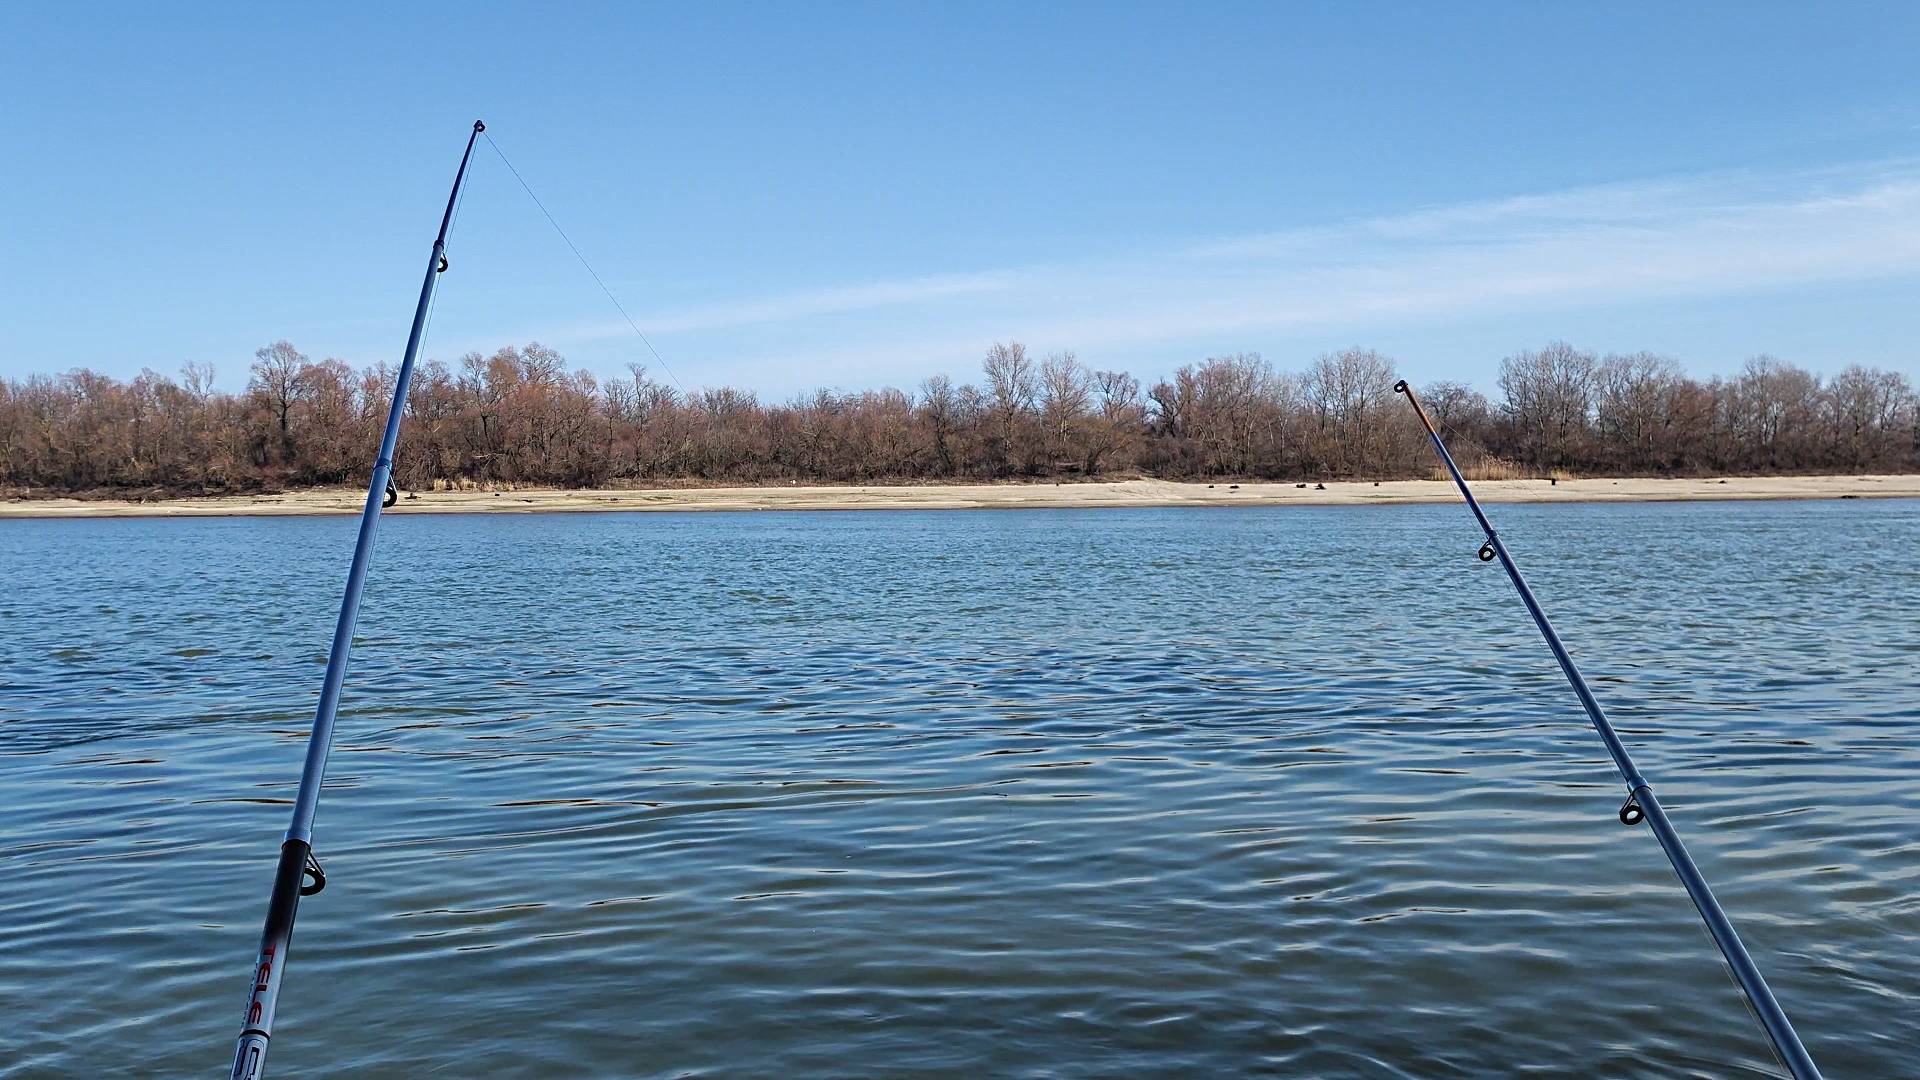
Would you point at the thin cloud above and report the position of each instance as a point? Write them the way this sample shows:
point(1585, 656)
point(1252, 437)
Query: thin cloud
point(811, 303)
point(1585, 247)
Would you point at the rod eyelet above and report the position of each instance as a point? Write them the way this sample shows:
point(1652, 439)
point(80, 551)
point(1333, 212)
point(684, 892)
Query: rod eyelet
point(1486, 551)
point(1400, 387)
point(392, 496)
point(312, 870)
point(442, 268)
point(1631, 814)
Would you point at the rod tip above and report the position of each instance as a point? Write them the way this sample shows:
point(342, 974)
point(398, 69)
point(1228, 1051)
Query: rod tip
point(479, 126)
point(1400, 387)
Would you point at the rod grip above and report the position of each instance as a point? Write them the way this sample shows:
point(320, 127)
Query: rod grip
point(250, 1055)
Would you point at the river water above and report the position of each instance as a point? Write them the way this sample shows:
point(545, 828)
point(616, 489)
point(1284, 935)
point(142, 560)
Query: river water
point(915, 794)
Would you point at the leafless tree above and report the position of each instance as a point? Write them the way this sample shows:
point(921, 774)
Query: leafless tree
point(1549, 401)
point(1066, 391)
point(1637, 399)
point(1120, 421)
point(520, 416)
point(276, 386)
point(939, 406)
point(1870, 416)
point(1011, 384)
point(1771, 410)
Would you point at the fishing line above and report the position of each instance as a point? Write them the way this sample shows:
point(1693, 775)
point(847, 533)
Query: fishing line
point(589, 266)
point(453, 222)
point(426, 331)
point(433, 304)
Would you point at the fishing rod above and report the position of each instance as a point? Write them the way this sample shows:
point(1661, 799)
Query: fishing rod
point(1641, 804)
point(297, 864)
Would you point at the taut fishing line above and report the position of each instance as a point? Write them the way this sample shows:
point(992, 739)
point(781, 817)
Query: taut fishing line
point(597, 280)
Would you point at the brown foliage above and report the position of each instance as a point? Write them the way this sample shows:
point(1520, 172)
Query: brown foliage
point(520, 417)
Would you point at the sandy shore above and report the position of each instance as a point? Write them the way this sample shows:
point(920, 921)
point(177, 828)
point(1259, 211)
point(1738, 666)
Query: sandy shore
point(989, 496)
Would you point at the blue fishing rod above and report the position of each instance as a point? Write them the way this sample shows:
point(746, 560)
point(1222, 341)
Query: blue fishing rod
point(297, 864)
point(1641, 804)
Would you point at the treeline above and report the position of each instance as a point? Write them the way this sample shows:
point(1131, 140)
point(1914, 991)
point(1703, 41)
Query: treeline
point(520, 417)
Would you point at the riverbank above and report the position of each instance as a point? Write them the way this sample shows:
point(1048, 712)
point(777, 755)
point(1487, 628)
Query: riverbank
point(988, 496)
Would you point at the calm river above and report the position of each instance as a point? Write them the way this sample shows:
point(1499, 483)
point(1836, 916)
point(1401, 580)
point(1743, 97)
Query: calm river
point(916, 794)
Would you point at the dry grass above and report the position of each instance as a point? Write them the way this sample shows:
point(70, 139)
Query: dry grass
point(1493, 468)
point(1489, 468)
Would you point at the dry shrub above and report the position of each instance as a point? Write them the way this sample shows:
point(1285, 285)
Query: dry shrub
point(1487, 468)
point(1494, 468)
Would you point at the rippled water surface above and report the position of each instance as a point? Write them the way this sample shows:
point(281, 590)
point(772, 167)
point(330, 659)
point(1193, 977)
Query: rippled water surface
point(1035, 793)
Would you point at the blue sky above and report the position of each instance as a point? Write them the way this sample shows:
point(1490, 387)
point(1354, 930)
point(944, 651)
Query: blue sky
point(789, 196)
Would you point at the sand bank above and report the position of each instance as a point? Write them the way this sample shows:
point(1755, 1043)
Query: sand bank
point(987, 496)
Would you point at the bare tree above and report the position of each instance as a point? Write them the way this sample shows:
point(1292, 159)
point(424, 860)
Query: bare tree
point(938, 407)
point(1549, 401)
point(199, 378)
point(1011, 384)
point(276, 385)
point(1066, 390)
point(1870, 415)
point(1636, 399)
point(1349, 392)
point(1119, 422)
point(1771, 410)
point(1458, 408)
point(330, 418)
point(520, 416)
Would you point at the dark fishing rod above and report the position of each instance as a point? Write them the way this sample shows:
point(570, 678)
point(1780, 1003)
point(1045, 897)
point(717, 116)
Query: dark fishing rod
point(297, 864)
point(1641, 804)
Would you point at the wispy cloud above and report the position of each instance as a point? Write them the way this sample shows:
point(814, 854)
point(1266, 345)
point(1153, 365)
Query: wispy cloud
point(816, 302)
point(1595, 246)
